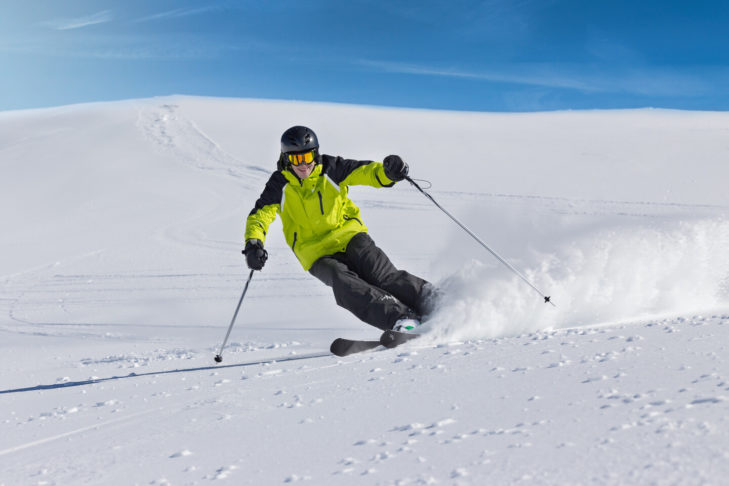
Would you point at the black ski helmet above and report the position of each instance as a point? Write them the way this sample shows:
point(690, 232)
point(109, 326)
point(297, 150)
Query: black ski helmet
point(298, 139)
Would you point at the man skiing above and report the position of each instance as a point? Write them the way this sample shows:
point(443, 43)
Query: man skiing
point(324, 229)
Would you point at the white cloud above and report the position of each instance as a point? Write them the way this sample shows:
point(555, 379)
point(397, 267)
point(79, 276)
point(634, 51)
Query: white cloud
point(639, 80)
point(80, 22)
point(179, 12)
point(533, 75)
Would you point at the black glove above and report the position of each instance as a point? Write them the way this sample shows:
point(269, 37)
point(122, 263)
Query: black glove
point(395, 169)
point(256, 256)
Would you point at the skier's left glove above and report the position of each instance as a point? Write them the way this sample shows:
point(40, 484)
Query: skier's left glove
point(395, 169)
point(256, 255)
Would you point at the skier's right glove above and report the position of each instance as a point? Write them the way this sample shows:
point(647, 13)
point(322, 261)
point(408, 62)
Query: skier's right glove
point(395, 169)
point(256, 255)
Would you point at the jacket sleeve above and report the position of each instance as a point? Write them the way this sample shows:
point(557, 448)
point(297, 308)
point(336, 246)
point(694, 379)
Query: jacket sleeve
point(264, 212)
point(357, 172)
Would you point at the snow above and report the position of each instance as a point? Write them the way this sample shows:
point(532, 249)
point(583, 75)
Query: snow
point(120, 269)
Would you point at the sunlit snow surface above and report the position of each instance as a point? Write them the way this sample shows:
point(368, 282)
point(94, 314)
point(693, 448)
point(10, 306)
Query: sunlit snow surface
point(120, 269)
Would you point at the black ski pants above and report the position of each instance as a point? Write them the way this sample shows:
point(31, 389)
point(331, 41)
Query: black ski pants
point(367, 284)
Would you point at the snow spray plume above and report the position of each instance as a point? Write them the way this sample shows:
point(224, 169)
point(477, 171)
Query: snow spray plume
point(546, 298)
point(219, 356)
point(615, 275)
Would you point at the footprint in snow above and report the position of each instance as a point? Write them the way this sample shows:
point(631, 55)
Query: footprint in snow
point(183, 453)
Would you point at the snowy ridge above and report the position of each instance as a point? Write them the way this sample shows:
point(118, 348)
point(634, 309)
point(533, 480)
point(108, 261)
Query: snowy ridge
point(120, 268)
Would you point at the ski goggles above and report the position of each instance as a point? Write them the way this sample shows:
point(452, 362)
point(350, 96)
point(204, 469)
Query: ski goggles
point(305, 158)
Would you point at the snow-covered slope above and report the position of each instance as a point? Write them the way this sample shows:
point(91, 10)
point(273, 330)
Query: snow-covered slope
point(120, 269)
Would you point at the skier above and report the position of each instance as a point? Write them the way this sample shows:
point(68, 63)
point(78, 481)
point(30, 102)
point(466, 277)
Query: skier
point(324, 229)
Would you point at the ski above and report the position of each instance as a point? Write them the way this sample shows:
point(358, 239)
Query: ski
point(392, 339)
point(389, 339)
point(345, 347)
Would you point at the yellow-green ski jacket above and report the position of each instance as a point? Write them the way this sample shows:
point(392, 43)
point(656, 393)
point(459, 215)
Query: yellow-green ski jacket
point(318, 217)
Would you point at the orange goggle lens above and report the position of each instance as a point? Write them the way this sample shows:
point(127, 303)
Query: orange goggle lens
point(305, 158)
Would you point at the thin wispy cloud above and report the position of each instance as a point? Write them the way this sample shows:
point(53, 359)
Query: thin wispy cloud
point(180, 12)
point(542, 79)
point(140, 47)
point(141, 53)
point(648, 81)
point(80, 22)
point(131, 47)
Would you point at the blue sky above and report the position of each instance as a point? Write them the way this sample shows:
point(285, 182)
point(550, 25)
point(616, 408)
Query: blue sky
point(493, 55)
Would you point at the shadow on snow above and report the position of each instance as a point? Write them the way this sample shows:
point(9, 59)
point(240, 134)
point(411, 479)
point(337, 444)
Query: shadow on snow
point(92, 381)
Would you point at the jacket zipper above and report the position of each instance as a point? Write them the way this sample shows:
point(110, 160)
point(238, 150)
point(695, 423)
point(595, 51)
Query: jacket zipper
point(321, 202)
point(293, 245)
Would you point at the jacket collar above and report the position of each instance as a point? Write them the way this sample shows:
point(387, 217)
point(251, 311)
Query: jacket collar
point(294, 179)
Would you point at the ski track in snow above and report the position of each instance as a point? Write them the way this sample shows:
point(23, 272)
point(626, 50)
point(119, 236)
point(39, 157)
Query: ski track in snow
point(174, 134)
point(171, 131)
point(62, 412)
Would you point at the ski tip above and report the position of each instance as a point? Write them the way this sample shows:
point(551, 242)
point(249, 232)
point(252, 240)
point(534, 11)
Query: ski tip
point(344, 347)
point(336, 346)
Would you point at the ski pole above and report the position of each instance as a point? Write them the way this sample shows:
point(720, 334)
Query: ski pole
point(546, 298)
point(219, 356)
